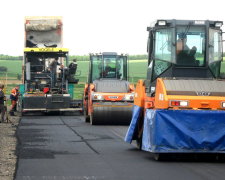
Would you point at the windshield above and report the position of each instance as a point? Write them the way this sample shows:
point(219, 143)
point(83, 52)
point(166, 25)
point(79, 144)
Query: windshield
point(164, 51)
point(190, 46)
point(109, 66)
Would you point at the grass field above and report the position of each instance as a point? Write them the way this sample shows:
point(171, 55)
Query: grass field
point(137, 70)
point(14, 67)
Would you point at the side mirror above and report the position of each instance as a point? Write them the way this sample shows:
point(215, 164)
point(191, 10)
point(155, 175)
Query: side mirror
point(222, 36)
point(223, 40)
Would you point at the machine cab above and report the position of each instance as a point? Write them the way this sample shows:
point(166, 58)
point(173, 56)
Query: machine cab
point(108, 65)
point(184, 48)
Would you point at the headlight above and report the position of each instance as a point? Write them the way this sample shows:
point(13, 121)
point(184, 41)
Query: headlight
point(223, 104)
point(161, 22)
point(97, 97)
point(128, 97)
point(218, 24)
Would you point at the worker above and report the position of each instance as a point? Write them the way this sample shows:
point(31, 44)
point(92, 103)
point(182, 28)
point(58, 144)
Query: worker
point(73, 67)
point(53, 69)
point(107, 69)
point(185, 55)
point(14, 98)
point(2, 99)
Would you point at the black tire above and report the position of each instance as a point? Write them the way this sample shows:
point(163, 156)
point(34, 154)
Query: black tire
point(140, 132)
point(220, 157)
point(85, 110)
point(86, 116)
point(139, 142)
point(93, 120)
point(156, 156)
point(85, 113)
point(160, 156)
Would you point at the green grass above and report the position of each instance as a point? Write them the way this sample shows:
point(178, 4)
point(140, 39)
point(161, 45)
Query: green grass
point(14, 67)
point(78, 91)
point(222, 69)
point(137, 70)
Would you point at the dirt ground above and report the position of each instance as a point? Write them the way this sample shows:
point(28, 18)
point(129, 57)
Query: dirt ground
point(8, 141)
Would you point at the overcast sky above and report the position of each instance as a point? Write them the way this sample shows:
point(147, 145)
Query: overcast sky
point(100, 25)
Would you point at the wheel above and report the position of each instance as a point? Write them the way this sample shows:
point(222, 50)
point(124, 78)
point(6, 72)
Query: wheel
point(156, 156)
point(139, 142)
point(86, 116)
point(221, 157)
point(139, 132)
point(159, 156)
point(85, 113)
point(85, 110)
point(93, 120)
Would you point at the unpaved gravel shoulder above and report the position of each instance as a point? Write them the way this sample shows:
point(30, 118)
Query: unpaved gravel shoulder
point(8, 142)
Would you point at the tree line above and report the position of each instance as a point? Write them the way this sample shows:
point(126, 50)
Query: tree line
point(87, 57)
point(7, 57)
point(77, 57)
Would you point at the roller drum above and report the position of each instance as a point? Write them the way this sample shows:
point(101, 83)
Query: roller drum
point(111, 113)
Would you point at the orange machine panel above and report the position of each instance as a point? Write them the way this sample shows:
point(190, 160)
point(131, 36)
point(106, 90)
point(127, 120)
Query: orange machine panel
point(139, 96)
point(161, 100)
point(164, 101)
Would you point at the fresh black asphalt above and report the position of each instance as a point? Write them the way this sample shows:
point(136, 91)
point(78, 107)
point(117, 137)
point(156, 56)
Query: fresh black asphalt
point(67, 148)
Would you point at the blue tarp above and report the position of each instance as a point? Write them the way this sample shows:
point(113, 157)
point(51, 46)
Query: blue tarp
point(131, 130)
point(184, 131)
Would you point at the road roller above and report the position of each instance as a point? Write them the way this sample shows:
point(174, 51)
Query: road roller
point(108, 96)
point(180, 106)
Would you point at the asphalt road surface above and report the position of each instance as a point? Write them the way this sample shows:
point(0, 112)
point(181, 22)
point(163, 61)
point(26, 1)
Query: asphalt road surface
point(67, 148)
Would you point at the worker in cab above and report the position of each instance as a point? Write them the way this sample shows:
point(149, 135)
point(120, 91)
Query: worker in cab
point(108, 70)
point(14, 98)
point(185, 55)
